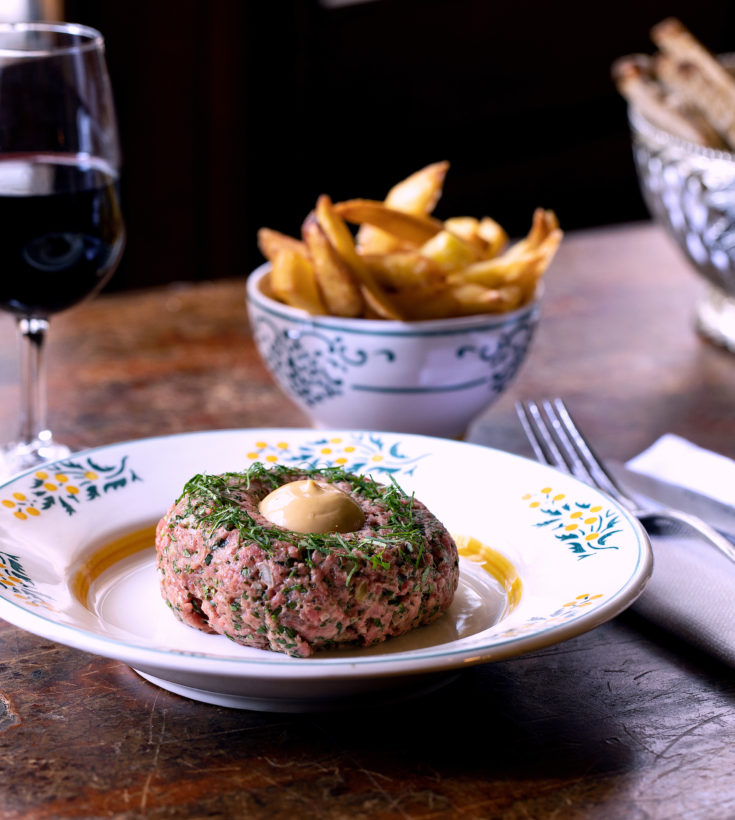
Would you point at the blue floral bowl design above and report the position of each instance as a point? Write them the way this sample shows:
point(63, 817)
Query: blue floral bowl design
point(430, 377)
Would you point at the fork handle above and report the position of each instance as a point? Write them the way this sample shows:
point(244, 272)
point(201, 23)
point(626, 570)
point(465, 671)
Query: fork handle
point(718, 540)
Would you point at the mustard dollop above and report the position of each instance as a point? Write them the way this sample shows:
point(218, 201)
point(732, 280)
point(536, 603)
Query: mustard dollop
point(312, 506)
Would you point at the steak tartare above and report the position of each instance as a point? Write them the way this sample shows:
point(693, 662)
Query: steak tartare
point(226, 568)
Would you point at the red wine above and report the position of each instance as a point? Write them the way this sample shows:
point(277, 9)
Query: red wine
point(61, 232)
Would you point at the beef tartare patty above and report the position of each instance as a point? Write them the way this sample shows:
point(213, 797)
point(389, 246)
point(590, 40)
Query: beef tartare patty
point(226, 568)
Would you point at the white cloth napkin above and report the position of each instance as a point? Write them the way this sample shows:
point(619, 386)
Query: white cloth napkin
point(692, 589)
point(678, 461)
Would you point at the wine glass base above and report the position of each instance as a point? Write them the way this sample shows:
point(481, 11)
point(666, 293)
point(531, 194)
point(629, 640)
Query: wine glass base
point(26, 455)
point(715, 318)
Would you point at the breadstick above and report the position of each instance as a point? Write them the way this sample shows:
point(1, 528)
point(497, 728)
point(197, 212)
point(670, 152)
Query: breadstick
point(634, 81)
point(715, 86)
point(688, 84)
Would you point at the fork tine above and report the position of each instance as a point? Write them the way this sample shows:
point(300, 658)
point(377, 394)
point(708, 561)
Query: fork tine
point(524, 416)
point(576, 465)
point(537, 431)
point(593, 464)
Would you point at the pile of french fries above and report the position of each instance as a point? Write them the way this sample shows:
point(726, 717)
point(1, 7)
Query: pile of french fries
point(683, 88)
point(403, 263)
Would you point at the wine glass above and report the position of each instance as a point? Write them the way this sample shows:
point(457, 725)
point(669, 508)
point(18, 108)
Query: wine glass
point(61, 228)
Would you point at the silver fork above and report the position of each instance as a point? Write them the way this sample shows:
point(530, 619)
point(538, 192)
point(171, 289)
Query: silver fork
point(556, 440)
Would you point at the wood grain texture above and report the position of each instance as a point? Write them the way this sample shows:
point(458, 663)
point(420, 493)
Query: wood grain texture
point(623, 722)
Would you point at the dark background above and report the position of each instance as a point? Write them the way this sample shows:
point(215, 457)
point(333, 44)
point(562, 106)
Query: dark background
point(239, 113)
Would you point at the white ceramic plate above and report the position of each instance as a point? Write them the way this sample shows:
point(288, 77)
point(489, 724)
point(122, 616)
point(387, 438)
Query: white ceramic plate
point(77, 562)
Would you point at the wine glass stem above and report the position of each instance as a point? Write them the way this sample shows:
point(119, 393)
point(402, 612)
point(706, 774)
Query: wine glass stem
point(31, 337)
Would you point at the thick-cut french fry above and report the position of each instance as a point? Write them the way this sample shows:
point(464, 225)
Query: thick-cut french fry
point(420, 192)
point(403, 269)
point(271, 242)
point(544, 222)
point(484, 234)
point(520, 269)
point(413, 228)
point(337, 285)
point(493, 273)
point(493, 235)
point(471, 298)
point(292, 280)
point(466, 227)
point(428, 302)
point(417, 194)
point(425, 268)
point(448, 251)
point(461, 300)
point(341, 239)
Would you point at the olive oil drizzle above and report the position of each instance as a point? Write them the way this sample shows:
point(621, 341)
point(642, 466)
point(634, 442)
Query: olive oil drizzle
point(213, 502)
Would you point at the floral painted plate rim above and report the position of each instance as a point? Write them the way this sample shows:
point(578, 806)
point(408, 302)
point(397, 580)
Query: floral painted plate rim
point(582, 558)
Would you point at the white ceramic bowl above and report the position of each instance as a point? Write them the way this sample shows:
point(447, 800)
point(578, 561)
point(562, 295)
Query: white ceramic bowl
point(431, 377)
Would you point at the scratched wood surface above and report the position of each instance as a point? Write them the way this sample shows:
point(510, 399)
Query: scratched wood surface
point(623, 722)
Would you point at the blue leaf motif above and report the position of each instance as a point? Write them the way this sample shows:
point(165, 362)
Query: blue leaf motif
point(395, 451)
point(506, 356)
point(309, 362)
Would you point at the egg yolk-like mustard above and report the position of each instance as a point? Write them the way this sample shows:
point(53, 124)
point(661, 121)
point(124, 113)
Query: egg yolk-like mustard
point(312, 506)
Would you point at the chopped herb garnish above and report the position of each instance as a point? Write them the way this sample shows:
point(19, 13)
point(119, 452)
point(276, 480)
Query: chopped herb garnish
point(215, 504)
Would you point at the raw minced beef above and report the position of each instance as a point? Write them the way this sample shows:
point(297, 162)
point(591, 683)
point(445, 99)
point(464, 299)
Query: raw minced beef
point(225, 568)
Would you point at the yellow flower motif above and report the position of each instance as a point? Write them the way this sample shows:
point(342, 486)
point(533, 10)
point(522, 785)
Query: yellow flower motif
point(592, 536)
point(558, 497)
point(253, 456)
point(19, 496)
point(282, 445)
point(525, 496)
point(271, 458)
point(340, 461)
point(50, 487)
point(8, 503)
point(535, 504)
point(377, 458)
point(577, 514)
point(33, 511)
point(570, 527)
point(349, 449)
point(261, 445)
point(590, 520)
point(596, 508)
point(326, 450)
point(43, 476)
point(335, 440)
point(583, 600)
point(72, 489)
point(61, 478)
point(21, 515)
point(91, 475)
point(12, 580)
point(546, 490)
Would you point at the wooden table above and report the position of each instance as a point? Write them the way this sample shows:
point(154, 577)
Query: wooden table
point(623, 722)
